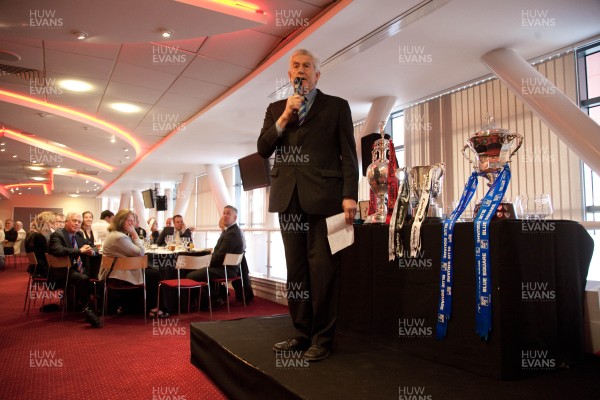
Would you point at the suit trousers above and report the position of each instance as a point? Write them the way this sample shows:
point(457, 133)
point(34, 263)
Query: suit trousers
point(313, 275)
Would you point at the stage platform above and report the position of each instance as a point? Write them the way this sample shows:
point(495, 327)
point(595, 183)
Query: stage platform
point(237, 355)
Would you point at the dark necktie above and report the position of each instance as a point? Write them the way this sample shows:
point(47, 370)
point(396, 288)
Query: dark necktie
point(302, 112)
point(79, 263)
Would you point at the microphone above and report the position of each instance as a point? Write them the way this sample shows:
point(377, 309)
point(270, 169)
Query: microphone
point(298, 88)
point(298, 85)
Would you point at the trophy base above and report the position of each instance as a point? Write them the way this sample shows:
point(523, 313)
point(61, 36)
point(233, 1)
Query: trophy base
point(376, 219)
point(504, 211)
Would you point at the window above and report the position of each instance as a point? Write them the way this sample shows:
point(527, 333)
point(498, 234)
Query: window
point(397, 122)
point(588, 60)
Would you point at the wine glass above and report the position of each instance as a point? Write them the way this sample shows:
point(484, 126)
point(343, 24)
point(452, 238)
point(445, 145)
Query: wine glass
point(543, 205)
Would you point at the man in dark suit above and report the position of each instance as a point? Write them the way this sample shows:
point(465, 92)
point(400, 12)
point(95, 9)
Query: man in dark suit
point(69, 241)
point(178, 228)
point(315, 175)
point(230, 241)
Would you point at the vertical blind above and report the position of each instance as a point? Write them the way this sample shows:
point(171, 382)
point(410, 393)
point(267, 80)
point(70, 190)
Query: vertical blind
point(437, 130)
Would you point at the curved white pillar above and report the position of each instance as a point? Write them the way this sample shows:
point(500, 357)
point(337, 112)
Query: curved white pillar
point(169, 195)
point(138, 208)
point(380, 110)
point(572, 125)
point(184, 192)
point(217, 186)
point(124, 203)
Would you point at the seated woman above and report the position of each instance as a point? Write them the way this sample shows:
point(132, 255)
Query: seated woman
point(88, 234)
point(153, 229)
point(37, 241)
point(123, 241)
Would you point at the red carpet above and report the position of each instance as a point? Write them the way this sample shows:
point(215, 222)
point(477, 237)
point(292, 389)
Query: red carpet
point(44, 358)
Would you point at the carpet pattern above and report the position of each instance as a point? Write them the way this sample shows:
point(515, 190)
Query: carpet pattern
point(45, 358)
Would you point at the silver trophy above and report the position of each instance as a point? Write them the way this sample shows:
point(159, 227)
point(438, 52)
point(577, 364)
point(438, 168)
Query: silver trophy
point(427, 178)
point(492, 148)
point(377, 176)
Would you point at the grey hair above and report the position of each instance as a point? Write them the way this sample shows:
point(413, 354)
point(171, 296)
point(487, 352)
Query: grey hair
point(304, 52)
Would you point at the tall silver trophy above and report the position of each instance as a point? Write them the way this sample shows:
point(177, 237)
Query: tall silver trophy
point(426, 187)
point(492, 148)
point(377, 176)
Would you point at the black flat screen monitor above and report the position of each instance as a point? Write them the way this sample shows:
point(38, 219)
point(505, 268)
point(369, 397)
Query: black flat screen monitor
point(148, 196)
point(255, 171)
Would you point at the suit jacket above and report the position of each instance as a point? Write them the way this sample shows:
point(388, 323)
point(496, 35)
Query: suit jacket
point(170, 230)
point(230, 241)
point(318, 158)
point(60, 246)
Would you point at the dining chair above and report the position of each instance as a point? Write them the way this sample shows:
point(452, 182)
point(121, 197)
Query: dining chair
point(10, 256)
point(124, 264)
point(33, 284)
point(187, 262)
point(58, 263)
point(230, 260)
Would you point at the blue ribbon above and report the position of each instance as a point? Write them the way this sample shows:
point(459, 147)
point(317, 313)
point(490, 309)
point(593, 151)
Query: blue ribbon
point(489, 205)
point(445, 303)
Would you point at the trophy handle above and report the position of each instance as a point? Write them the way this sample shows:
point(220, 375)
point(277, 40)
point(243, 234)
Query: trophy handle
point(519, 139)
point(468, 157)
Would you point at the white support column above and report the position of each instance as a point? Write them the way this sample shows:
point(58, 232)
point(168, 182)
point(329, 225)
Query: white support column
point(124, 203)
point(138, 208)
point(169, 194)
point(572, 125)
point(184, 193)
point(380, 111)
point(217, 186)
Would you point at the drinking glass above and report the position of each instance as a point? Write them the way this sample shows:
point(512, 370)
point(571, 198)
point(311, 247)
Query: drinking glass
point(543, 205)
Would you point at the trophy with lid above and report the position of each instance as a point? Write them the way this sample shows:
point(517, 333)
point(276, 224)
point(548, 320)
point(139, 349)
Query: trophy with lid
point(377, 176)
point(492, 148)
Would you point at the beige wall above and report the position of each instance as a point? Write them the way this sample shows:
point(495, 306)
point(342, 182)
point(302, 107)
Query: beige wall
point(67, 203)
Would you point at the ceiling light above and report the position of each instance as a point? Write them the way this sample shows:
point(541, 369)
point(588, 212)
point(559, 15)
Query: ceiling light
point(3, 149)
point(74, 195)
point(125, 149)
point(3, 144)
point(36, 168)
point(166, 33)
point(38, 178)
point(14, 156)
point(75, 85)
point(125, 107)
point(113, 140)
point(80, 35)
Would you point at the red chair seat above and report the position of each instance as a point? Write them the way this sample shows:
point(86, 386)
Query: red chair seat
point(184, 283)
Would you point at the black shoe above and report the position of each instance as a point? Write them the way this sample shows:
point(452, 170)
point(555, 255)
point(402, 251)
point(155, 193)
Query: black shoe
point(297, 343)
point(316, 353)
point(92, 318)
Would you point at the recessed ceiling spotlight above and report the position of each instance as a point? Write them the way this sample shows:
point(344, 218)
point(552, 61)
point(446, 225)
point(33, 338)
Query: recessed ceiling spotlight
point(2, 149)
point(38, 178)
point(166, 33)
point(80, 35)
point(125, 149)
point(14, 156)
point(75, 85)
point(113, 140)
point(125, 107)
point(3, 144)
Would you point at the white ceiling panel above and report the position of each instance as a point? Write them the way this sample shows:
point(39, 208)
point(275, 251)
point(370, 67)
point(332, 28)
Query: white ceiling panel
point(156, 56)
point(131, 93)
point(195, 88)
point(218, 72)
point(144, 77)
point(245, 49)
point(78, 65)
point(109, 51)
point(182, 103)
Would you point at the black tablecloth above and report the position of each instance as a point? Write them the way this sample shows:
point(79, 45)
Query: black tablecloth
point(538, 272)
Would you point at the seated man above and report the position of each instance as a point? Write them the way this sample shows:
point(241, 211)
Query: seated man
point(100, 228)
point(10, 237)
point(178, 229)
point(69, 241)
point(230, 241)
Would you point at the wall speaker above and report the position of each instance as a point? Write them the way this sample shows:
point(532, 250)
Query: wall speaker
point(161, 203)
